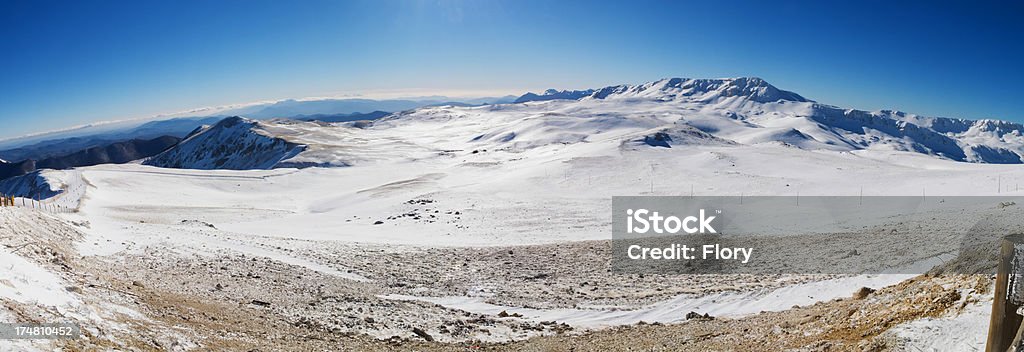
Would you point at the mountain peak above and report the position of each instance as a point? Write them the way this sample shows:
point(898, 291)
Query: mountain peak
point(231, 121)
point(706, 89)
point(234, 143)
point(688, 89)
point(553, 94)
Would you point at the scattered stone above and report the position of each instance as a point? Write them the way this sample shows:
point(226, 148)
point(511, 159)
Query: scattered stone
point(863, 293)
point(505, 314)
point(423, 334)
point(694, 315)
point(197, 222)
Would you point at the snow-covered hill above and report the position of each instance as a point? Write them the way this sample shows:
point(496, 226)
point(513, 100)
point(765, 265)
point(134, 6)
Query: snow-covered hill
point(771, 114)
point(666, 113)
point(33, 185)
point(554, 94)
point(701, 90)
point(233, 143)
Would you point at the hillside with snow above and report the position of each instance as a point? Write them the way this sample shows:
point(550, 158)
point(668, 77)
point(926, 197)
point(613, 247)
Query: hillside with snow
point(668, 113)
point(232, 143)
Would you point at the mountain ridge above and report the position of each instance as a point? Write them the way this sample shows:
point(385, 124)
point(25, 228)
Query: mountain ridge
point(666, 113)
point(234, 143)
point(112, 153)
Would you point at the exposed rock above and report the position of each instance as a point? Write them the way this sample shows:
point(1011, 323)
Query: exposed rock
point(863, 292)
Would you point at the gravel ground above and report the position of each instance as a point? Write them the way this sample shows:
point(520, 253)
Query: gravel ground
point(156, 298)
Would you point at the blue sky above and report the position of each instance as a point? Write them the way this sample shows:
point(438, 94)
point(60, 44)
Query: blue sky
point(68, 63)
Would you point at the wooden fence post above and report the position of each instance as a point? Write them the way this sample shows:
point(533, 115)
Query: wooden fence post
point(1009, 295)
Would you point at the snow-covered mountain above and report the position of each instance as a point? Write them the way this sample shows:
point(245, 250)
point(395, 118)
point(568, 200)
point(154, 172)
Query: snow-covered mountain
point(233, 143)
point(30, 185)
point(666, 113)
point(47, 144)
point(113, 153)
point(701, 90)
point(553, 94)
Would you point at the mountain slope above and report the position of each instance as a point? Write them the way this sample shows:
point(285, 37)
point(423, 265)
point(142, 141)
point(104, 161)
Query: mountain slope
point(114, 153)
point(669, 113)
point(701, 90)
point(8, 170)
point(63, 146)
point(758, 107)
point(356, 116)
point(28, 185)
point(553, 94)
point(233, 143)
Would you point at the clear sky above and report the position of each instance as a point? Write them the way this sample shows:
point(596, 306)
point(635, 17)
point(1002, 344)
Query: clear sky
point(68, 63)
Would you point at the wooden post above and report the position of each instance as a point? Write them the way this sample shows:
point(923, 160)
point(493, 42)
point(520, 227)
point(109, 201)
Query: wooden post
point(1009, 295)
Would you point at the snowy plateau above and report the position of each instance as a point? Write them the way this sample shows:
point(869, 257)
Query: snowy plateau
point(488, 226)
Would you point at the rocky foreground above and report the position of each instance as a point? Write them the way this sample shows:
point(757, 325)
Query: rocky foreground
point(156, 299)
